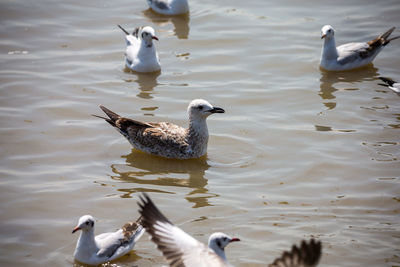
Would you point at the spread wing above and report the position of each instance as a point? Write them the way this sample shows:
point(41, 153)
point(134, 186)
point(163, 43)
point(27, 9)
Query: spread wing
point(179, 248)
point(307, 255)
point(391, 84)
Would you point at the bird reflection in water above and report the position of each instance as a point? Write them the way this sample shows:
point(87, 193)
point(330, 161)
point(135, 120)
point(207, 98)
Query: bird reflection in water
point(156, 174)
point(329, 78)
point(180, 22)
point(146, 82)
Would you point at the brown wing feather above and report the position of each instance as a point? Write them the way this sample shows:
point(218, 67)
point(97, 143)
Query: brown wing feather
point(129, 229)
point(307, 255)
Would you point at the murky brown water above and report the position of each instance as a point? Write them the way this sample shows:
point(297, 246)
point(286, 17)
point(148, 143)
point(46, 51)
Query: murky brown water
point(299, 153)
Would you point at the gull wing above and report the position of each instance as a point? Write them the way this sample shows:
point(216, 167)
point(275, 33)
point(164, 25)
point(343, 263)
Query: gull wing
point(307, 255)
point(179, 248)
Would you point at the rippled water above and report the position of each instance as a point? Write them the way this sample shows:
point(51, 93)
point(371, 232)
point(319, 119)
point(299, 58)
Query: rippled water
point(300, 152)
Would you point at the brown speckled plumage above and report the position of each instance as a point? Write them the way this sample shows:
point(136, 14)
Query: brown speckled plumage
point(166, 139)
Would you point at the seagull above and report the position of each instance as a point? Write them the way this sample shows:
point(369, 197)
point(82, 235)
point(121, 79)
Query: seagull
point(307, 255)
point(164, 138)
point(169, 7)
point(179, 248)
point(395, 86)
point(141, 54)
point(351, 55)
point(95, 250)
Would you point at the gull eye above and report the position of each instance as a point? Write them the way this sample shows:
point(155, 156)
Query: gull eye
point(200, 107)
point(329, 30)
point(87, 222)
point(224, 238)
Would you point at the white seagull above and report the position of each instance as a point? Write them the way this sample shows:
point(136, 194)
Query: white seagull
point(395, 86)
point(181, 249)
point(351, 55)
point(166, 139)
point(141, 54)
point(95, 250)
point(169, 7)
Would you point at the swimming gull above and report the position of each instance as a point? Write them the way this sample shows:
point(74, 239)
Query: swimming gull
point(95, 250)
point(141, 54)
point(179, 248)
point(350, 55)
point(395, 86)
point(169, 7)
point(166, 139)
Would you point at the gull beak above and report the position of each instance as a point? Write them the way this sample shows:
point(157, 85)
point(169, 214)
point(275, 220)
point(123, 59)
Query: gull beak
point(154, 37)
point(76, 229)
point(217, 110)
point(323, 36)
point(125, 31)
point(235, 239)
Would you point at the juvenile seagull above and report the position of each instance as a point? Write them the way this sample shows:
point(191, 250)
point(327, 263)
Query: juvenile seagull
point(169, 7)
point(179, 248)
point(391, 84)
point(307, 255)
point(95, 250)
point(166, 139)
point(141, 54)
point(351, 55)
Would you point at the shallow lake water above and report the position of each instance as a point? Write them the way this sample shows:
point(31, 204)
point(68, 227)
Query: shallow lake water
point(299, 153)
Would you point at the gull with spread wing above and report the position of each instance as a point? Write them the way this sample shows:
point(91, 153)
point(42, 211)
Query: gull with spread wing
point(182, 250)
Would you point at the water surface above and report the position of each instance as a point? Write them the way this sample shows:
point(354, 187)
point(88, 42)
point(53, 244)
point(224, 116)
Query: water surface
point(299, 153)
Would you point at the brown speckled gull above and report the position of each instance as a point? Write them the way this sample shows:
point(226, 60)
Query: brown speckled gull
point(166, 139)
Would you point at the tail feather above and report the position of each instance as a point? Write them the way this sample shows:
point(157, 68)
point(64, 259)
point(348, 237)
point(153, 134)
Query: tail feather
point(125, 31)
point(387, 34)
point(107, 120)
point(112, 115)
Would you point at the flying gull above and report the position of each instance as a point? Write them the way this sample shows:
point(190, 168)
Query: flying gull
point(181, 249)
point(350, 55)
point(395, 86)
point(141, 54)
point(164, 138)
point(169, 7)
point(95, 250)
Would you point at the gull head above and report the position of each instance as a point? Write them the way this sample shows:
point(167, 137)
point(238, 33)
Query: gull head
point(148, 35)
point(218, 242)
point(85, 223)
point(201, 109)
point(327, 32)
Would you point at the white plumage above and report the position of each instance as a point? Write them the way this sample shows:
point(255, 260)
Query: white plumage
point(351, 55)
point(141, 54)
point(95, 250)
